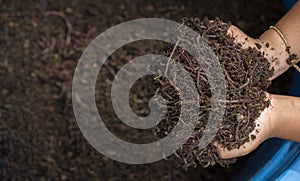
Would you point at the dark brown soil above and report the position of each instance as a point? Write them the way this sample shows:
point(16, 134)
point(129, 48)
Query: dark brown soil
point(41, 42)
point(246, 72)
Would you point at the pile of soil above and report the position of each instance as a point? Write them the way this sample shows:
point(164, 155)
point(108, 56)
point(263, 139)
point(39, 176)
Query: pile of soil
point(246, 71)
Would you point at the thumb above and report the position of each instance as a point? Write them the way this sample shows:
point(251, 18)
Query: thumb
point(242, 38)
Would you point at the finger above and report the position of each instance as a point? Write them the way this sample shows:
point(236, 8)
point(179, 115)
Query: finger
point(238, 35)
point(241, 38)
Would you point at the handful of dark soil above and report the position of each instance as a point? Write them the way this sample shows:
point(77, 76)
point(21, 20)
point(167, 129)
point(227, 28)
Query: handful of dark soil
point(246, 72)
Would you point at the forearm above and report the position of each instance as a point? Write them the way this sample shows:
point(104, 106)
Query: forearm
point(286, 124)
point(289, 25)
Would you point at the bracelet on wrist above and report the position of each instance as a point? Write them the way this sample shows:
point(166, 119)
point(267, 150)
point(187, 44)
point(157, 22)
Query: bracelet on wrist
point(292, 60)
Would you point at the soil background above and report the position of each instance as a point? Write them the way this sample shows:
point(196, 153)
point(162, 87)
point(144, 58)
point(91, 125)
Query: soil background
point(40, 44)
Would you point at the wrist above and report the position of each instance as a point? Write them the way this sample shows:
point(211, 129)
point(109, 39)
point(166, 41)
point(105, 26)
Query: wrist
point(276, 47)
point(274, 115)
point(275, 52)
point(286, 123)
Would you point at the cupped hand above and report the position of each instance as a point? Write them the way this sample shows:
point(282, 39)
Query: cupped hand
point(269, 44)
point(274, 50)
point(264, 129)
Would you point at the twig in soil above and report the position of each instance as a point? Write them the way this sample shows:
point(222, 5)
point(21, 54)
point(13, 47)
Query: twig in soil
point(168, 95)
point(110, 70)
point(66, 21)
point(198, 77)
point(170, 57)
point(186, 124)
point(232, 101)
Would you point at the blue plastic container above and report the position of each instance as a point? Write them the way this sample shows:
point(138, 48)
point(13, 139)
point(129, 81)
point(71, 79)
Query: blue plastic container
point(275, 159)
